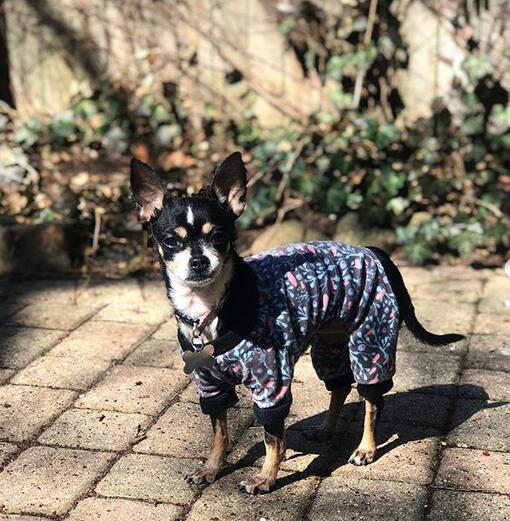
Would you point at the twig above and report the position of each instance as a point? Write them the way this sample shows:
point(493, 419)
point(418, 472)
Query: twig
point(493, 208)
point(385, 106)
point(97, 229)
point(292, 204)
point(293, 157)
point(257, 177)
point(366, 40)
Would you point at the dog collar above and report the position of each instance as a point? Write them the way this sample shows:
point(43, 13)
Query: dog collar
point(200, 324)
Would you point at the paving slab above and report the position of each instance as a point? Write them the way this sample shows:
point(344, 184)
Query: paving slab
point(184, 431)
point(222, 500)
point(103, 340)
point(474, 470)
point(45, 480)
point(5, 374)
point(61, 292)
point(434, 273)
point(9, 308)
point(148, 477)
point(477, 383)
point(99, 430)
point(62, 372)
point(492, 323)
point(415, 409)
point(495, 295)
point(468, 506)
point(450, 290)
point(140, 313)
point(489, 352)
point(20, 345)
point(357, 500)
point(102, 509)
point(52, 315)
point(481, 425)
point(157, 353)
point(6, 450)
point(407, 342)
point(442, 317)
point(428, 373)
point(405, 453)
point(154, 290)
point(134, 389)
point(102, 292)
point(167, 331)
point(24, 409)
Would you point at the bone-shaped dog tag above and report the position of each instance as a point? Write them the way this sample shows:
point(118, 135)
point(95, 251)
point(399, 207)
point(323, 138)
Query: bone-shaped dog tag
point(198, 359)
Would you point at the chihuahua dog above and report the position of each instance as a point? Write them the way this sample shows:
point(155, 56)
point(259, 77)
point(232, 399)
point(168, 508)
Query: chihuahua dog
point(247, 321)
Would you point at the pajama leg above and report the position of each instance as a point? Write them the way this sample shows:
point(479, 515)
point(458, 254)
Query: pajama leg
point(331, 363)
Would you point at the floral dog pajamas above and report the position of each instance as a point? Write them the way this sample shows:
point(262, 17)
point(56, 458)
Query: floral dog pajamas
point(301, 287)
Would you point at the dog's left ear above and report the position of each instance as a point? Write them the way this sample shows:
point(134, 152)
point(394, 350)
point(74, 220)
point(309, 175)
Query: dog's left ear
point(229, 183)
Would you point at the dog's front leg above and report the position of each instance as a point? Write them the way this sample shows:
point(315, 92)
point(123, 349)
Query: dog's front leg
point(274, 440)
point(208, 471)
point(365, 453)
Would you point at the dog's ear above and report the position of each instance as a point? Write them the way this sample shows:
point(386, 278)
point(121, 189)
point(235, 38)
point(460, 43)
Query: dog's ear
point(229, 183)
point(147, 189)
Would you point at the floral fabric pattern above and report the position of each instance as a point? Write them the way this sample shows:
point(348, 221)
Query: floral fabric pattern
point(301, 288)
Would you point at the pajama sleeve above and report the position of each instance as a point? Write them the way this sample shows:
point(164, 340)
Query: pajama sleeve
point(215, 394)
point(269, 380)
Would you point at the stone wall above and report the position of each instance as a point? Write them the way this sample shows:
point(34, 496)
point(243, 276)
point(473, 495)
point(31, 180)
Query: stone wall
point(58, 48)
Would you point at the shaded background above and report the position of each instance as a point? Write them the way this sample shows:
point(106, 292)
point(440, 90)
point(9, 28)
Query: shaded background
point(382, 122)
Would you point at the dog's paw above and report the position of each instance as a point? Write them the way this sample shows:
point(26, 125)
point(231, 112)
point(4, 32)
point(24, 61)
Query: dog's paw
point(204, 475)
point(258, 483)
point(318, 434)
point(361, 457)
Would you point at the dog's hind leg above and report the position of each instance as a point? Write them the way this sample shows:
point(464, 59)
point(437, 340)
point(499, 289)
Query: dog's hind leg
point(274, 440)
point(330, 360)
point(374, 404)
point(336, 402)
point(207, 472)
point(365, 453)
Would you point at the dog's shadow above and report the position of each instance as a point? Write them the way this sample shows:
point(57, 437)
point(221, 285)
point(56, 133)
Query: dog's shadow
point(408, 416)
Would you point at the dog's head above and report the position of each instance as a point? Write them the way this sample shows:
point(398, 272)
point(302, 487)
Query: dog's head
point(194, 235)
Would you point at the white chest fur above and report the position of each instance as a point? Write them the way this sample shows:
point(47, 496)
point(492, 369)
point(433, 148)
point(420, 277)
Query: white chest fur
point(197, 302)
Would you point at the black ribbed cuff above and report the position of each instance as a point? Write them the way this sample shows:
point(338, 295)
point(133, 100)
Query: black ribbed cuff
point(219, 402)
point(372, 392)
point(275, 414)
point(339, 382)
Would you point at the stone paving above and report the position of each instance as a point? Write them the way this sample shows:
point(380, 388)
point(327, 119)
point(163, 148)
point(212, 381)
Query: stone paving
point(98, 421)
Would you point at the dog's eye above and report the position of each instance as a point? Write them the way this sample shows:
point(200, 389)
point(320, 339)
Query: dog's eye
point(172, 242)
point(218, 236)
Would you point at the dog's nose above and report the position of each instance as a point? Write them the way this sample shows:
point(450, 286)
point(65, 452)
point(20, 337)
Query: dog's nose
point(199, 264)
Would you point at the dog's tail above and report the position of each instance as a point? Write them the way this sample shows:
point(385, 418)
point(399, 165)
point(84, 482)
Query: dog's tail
point(422, 334)
point(406, 307)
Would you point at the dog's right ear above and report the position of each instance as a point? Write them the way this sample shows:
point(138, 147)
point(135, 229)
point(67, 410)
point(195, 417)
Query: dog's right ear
point(147, 189)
